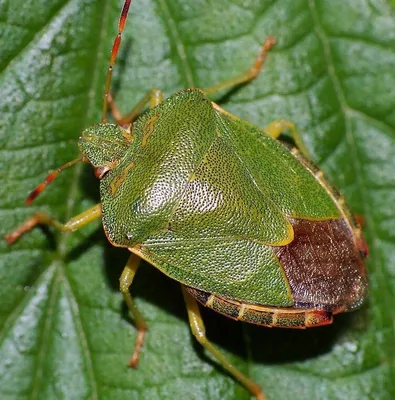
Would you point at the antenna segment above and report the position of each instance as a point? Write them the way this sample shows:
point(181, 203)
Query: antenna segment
point(114, 52)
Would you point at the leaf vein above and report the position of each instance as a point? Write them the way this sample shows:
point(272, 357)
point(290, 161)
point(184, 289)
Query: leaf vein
point(181, 51)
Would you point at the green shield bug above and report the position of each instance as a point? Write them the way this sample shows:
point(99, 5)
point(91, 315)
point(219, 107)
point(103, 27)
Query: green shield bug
point(246, 224)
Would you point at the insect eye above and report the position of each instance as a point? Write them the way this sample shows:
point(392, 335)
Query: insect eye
point(102, 171)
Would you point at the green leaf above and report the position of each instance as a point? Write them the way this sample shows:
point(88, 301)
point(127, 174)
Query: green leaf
point(64, 330)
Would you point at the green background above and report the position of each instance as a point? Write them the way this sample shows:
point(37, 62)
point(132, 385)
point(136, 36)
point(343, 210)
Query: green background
point(64, 330)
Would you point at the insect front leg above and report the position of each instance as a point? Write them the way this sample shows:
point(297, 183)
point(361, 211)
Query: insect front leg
point(199, 331)
point(126, 280)
point(152, 98)
point(42, 218)
point(277, 127)
point(246, 76)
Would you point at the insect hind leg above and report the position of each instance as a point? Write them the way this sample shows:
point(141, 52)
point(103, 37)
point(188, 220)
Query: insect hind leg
point(199, 331)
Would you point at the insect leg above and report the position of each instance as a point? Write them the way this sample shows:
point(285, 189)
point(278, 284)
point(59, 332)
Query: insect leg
point(276, 128)
point(40, 218)
point(153, 98)
point(248, 75)
point(126, 280)
point(199, 331)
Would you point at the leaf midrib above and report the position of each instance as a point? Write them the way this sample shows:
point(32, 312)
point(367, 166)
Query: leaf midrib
point(61, 248)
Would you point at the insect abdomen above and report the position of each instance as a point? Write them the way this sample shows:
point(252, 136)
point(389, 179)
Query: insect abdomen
point(265, 316)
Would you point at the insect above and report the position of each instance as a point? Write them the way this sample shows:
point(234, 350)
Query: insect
point(246, 224)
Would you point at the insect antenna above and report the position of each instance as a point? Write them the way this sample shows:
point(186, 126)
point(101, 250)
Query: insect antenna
point(114, 52)
point(49, 179)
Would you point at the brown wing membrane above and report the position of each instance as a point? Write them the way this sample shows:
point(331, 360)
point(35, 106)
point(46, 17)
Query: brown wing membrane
point(323, 265)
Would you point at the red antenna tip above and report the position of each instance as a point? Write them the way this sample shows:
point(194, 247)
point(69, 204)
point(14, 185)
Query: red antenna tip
point(49, 179)
point(114, 52)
